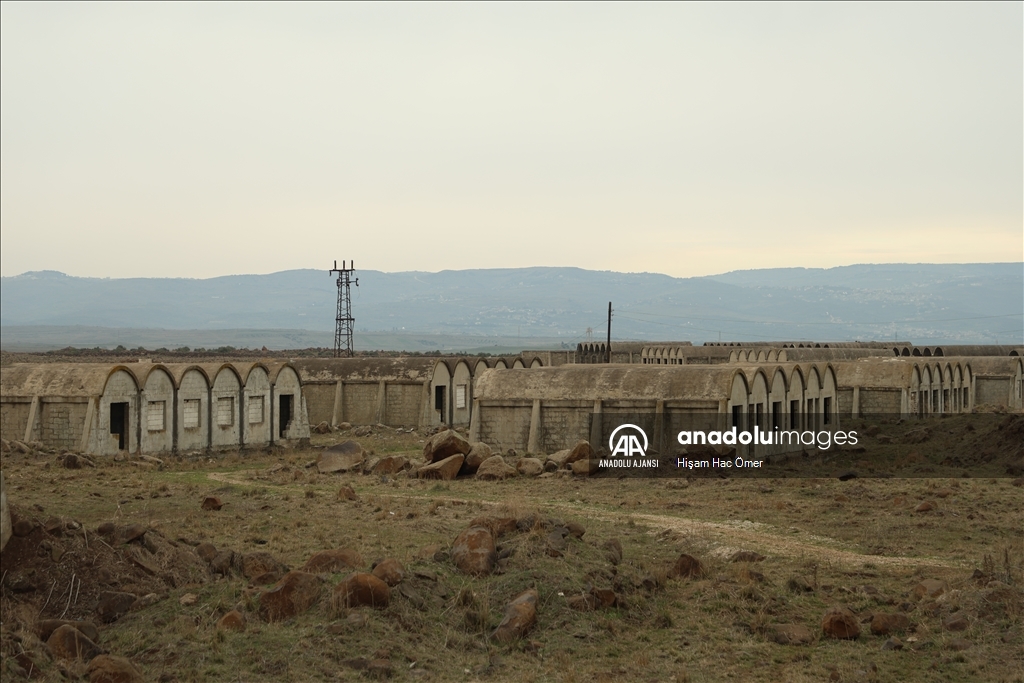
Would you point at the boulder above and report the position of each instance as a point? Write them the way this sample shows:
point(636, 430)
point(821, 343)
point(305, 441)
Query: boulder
point(474, 552)
point(342, 457)
point(478, 452)
point(113, 604)
point(333, 561)
point(390, 571)
point(444, 445)
point(582, 603)
point(520, 617)
point(886, 624)
point(687, 567)
point(893, 643)
point(365, 430)
point(222, 562)
point(106, 529)
point(134, 532)
point(790, 634)
point(206, 551)
point(446, 469)
point(112, 669)
point(926, 506)
point(576, 530)
point(840, 623)
point(256, 564)
point(529, 467)
point(585, 467)
point(212, 503)
point(560, 457)
point(929, 588)
point(295, 593)
point(232, 621)
point(499, 526)
point(581, 451)
point(322, 428)
point(955, 622)
point(361, 589)
point(495, 469)
point(45, 627)
point(390, 464)
point(67, 642)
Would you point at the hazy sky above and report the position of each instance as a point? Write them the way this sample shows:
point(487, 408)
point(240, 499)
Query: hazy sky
point(198, 140)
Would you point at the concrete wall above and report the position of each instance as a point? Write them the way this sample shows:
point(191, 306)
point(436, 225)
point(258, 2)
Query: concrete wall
point(404, 404)
point(14, 419)
point(193, 408)
point(158, 413)
point(462, 394)
point(320, 399)
point(360, 403)
point(61, 423)
point(120, 388)
point(286, 385)
point(225, 410)
point(993, 391)
point(257, 415)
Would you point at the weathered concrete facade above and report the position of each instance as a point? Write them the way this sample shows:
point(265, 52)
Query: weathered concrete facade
point(150, 408)
point(549, 409)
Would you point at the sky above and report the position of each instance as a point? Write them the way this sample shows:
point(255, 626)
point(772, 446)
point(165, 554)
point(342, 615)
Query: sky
point(197, 140)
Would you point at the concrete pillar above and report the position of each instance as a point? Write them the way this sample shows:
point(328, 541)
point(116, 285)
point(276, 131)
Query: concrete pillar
point(856, 402)
point(338, 415)
point(271, 415)
point(174, 419)
point(533, 443)
point(382, 402)
point(33, 413)
point(595, 425)
point(90, 415)
point(426, 413)
point(474, 422)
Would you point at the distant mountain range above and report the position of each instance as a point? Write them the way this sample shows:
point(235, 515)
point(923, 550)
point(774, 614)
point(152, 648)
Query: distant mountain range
point(966, 303)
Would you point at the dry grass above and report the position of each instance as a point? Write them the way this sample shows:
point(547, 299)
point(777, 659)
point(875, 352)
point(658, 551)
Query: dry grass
point(865, 550)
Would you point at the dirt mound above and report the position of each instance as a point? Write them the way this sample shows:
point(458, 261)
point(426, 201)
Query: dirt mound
point(59, 568)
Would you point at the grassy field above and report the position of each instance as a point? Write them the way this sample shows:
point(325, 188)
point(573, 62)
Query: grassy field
point(826, 543)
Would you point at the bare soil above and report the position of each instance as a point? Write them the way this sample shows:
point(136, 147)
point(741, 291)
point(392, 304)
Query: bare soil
point(826, 543)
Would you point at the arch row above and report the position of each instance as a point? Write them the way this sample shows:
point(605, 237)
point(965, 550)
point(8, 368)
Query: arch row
point(164, 408)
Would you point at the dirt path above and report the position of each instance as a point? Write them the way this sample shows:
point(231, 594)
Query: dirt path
point(729, 536)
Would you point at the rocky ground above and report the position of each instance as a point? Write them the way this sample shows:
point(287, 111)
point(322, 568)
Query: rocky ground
point(383, 553)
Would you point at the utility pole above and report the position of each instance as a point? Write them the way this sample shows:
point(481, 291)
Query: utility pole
point(344, 322)
point(608, 346)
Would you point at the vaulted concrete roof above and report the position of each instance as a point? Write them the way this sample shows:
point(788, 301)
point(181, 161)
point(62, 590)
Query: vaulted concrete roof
point(410, 368)
point(608, 381)
point(882, 373)
point(72, 380)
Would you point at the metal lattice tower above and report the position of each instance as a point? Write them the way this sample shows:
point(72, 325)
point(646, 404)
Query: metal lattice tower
point(344, 322)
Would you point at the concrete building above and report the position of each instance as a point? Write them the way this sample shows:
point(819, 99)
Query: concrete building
point(549, 409)
point(151, 408)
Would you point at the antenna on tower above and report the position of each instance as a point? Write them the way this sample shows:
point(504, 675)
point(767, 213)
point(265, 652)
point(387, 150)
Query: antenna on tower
point(344, 322)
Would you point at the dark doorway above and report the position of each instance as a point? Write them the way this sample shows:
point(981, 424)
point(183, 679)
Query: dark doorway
point(794, 414)
point(285, 412)
point(119, 423)
point(439, 401)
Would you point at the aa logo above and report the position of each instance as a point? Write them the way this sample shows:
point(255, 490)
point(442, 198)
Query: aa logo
point(628, 443)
